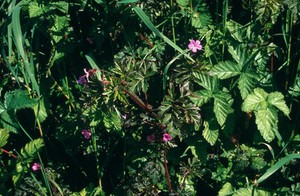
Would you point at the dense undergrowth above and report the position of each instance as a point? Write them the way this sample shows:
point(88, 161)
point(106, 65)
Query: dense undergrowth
point(144, 97)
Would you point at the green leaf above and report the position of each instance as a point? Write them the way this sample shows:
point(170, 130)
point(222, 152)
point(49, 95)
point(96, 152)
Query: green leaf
point(238, 53)
point(127, 1)
point(277, 166)
point(151, 26)
point(35, 10)
point(254, 100)
point(210, 132)
point(40, 110)
point(226, 69)
point(226, 189)
point(29, 152)
point(18, 99)
point(112, 121)
point(277, 99)
point(207, 82)
point(222, 106)
point(166, 119)
point(2, 107)
point(247, 82)
point(8, 121)
point(236, 30)
point(201, 97)
point(4, 134)
point(251, 191)
point(266, 120)
point(59, 28)
point(183, 3)
point(89, 57)
point(19, 42)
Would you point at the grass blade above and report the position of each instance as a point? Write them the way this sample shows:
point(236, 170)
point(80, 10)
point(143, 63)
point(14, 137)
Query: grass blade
point(277, 166)
point(151, 26)
point(18, 38)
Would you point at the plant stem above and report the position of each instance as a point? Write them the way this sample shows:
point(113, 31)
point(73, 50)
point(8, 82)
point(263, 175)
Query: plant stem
point(224, 20)
point(167, 171)
point(9, 153)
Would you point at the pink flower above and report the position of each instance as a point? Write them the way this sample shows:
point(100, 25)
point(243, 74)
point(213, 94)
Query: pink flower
point(85, 78)
point(194, 45)
point(86, 133)
point(36, 167)
point(151, 138)
point(167, 137)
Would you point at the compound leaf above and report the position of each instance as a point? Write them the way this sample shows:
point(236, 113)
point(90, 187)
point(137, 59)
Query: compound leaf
point(226, 69)
point(266, 121)
point(277, 100)
point(254, 100)
point(222, 107)
point(210, 132)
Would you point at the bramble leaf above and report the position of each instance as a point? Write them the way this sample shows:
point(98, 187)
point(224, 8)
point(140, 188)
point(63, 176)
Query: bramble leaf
point(207, 82)
point(31, 149)
point(266, 120)
point(226, 189)
point(254, 100)
point(222, 106)
point(8, 121)
point(201, 97)
point(247, 83)
point(210, 132)
point(18, 99)
point(226, 69)
point(277, 100)
point(4, 134)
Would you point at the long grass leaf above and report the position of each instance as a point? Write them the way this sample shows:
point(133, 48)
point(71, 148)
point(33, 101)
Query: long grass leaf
point(277, 166)
point(18, 38)
point(151, 26)
point(90, 59)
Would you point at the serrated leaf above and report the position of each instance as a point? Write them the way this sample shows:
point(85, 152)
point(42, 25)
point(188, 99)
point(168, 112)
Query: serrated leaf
point(18, 99)
point(222, 107)
point(166, 119)
point(112, 121)
point(183, 3)
point(226, 189)
point(59, 28)
point(35, 9)
point(207, 82)
point(8, 121)
point(40, 110)
point(225, 69)
point(201, 97)
point(238, 53)
point(277, 100)
point(2, 108)
point(4, 134)
point(247, 82)
point(266, 121)
point(29, 152)
point(254, 100)
point(236, 30)
point(251, 191)
point(210, 132)
point(62, 6)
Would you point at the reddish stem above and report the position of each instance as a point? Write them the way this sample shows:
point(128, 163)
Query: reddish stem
point(7, 152)
point(167, 172)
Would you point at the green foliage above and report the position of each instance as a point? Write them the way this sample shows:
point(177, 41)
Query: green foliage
point(125, 107)
point(4, 134)
point(15, 100)
point(264, 107)
point(28, 153)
